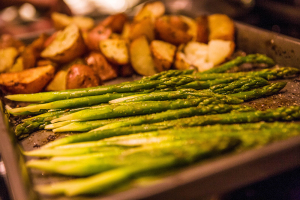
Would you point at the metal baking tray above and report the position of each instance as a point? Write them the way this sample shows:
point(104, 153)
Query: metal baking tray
point(202, 180)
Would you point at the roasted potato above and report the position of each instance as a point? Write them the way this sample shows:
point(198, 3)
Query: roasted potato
point(101, 66)
point(60, 78)
point(202, 29)
point(32, 51)
point(67, 45)
point(81, 76)
point(141, 58)
point(219, 51)
point(7, 58)
point(115, 22)
point(193, 55)
point(150, 10)
point(97, 34)
point(61, 21)
point(163, 54)
point(125, 70)
point(27, 81)
point(143, 27)
point(220, 27)
point(115, 51)
point(169, 33)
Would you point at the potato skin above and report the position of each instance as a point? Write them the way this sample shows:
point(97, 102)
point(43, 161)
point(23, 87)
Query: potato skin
point(28, 81)
point(97, 34)
point(101, 66)
point(81, 76)
point(169, 33)
point(115, 22)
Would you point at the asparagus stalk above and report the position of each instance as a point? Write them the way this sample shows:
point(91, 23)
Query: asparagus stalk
point(251, 58)
point(70, 103)
point(167, 74)
point(269, 74)
point(173, 114)
point(243, 84)
point(135, 86)
point(98, 135)
point(267, 90)
point(140, 108)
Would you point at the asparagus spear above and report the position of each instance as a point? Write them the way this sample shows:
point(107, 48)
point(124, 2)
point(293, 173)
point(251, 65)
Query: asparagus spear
point(140, 108)
point(70, 103)
point(283, 113)
point(135, 86)
point(97, 135)
point(168, 73)
point(251, 58)
point(173, 114)
point(243, 84)
point(269, 74)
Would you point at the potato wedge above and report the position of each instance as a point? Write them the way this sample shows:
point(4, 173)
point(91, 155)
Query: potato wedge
point(27, 81)
point(219, 51)
point(220, 27)
point(169, 33)
point(61, 21)
point(97, 34)
point(115, 51)
point(59, 80)
point(81, 76)
point(7, 40)
point(150, 10)
point(115, 22)
point(125, 70)
point(66, 46)
point(141, 58)
point(101, 66)
point(143, 27)
point(32, 51)
point(7, 58)
point(193, 55)
point(163, 54)
point(202, 29)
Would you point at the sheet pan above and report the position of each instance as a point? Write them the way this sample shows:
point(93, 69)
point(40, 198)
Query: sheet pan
point(211, 177)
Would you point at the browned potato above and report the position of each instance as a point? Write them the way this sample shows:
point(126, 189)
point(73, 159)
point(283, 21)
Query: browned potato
point(61, 21)
point(60, 78)
point(169, 33)
point(143, 27)
point(202, 29)
point(220, 27)
point(141, 58)
point(32, 52)
point(97, 34)
point(81, 76)
point(66, 46)
point(115, 22)
point(7, 58)
point(50, 39)
point(163, 54)
point(101, 66)
point(115, 51)
point(150, 10)
point(27, 81)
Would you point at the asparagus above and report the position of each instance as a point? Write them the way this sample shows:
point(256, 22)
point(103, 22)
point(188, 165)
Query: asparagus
point(283, 113)
point(97, 135)
point(243, 84)
point(151, 118)
point(135, 86)
point(140, 108)
point(70, 103)
point(168, 73)
point(269, 74)
point(267, 90)
point(251, 58)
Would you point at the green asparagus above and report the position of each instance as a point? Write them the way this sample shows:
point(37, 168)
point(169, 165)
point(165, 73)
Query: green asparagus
point(251, 58)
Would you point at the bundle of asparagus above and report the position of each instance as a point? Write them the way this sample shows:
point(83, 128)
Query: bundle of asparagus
point(165, 121)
